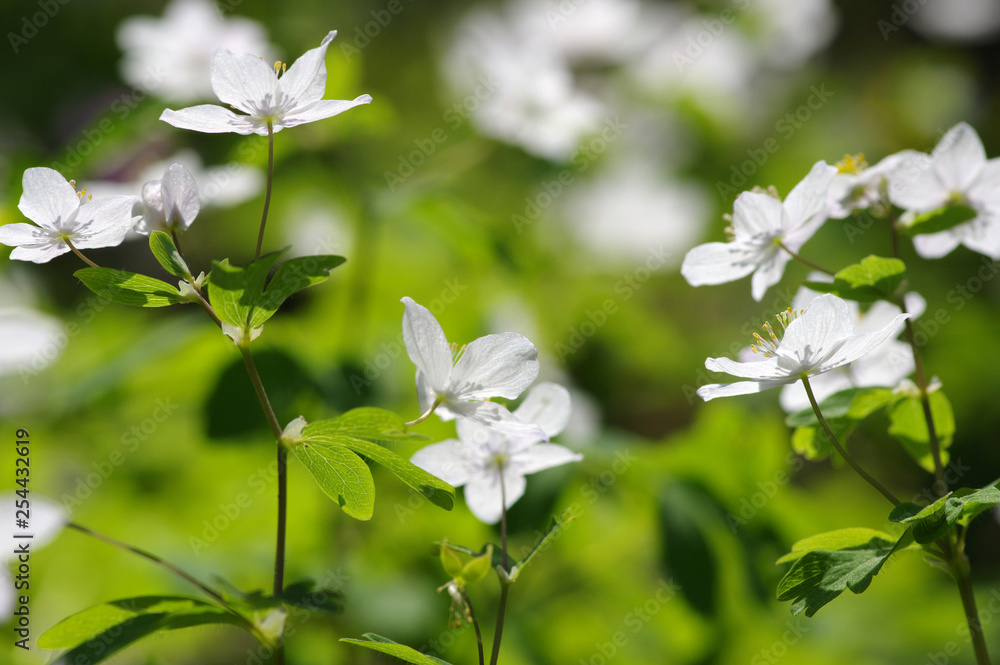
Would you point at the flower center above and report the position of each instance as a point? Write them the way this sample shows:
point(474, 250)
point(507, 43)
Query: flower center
point(767, 347)
point(279, 68)
point(853, 164)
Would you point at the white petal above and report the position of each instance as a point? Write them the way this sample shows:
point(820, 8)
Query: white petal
point(500, 365)
point(793, 396)
point(914, 185)
point(769, 272)
point(483, 495)
point(325, 108)
point(884, 366)
point(808, 198)
point(48, 197)
point(857, 346)
point(935, 245)
point(495, 416)
point(759, 217)
point(546, 405)
point(819, 331)
point(426, 344)
point(245, 81)
point(764, 369)
point(719, 262)
point(958, 157)
point(211, 119)
point(104, 222)
point(981, 235)
point(713, 390)
point(180, 197)
point(40, 253)
point(452, 461)
point(543, 456)
point(32, 241)
point(305, 80)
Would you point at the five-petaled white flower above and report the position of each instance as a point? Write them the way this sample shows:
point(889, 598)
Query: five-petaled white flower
point(492, 464)
point(249, 84)
point(64, 218)
point(820, 339)
point(763, 229)
point(170, 204)
point(956, 172)
point(500, 365)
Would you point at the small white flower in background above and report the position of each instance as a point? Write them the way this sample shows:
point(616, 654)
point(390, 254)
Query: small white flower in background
point(886, 366)
point(62, 216)
point(956, 172)
point(46, 521)
point(29, 339)
point(482, 458)
point(816, 341)
point(251, 85)
point(169, 204)
point(500, 365)
point(858, 186)
point(170, 56)
point(761, 224)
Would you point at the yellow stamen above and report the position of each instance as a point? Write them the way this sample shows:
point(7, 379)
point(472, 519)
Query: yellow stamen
point(852, 164)
point(279, 68)
point(767, 347)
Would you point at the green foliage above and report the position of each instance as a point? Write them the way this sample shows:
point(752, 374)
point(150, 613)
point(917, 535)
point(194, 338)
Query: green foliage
point(833, 540)
point(129, 288)
point(342, 475)
point(939, 220)
point(687, 553)
point(843, 411)
point(874, 278)
point(932, 522)
point(365, 432)
point(909, 425)
point(387, 646)
point(239, 295)
point(819, 576)
point(163, 248)
point(97, 633)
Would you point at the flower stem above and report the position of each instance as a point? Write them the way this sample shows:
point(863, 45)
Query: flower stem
point(959, 567)
point(424, 416)
point(267, 192)
point(804, 261)
point(272, 419)
point(504, 583)
point(80, 254)
point(475, 624)
point(151, 557)
point(843, 452)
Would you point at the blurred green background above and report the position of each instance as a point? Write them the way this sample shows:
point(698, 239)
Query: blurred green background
point(556, 199)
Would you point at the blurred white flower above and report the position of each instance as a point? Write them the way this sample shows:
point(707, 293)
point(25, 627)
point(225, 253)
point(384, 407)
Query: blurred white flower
point(168, 204)
point(170, 56)
point(857, 186)
point(956, 172)
point(624, 214)
point(62, 217)
point(969, 21)
point(886, 366)
point(492, 465)
point(267, 100)
point(763, 227)
point(789, 32)
point(28, 339)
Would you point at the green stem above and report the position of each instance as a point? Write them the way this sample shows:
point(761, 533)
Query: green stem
point(504, 584)
point(840, 449)
point(475, 624)
point(267, 192)
point(804, 261)
point(427, 414)
point(959, 566)
point(80, 254)
point(151, 557)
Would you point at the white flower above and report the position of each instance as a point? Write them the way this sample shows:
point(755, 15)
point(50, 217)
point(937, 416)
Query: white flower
point(46, 520)
point(886, 366)
point(63, 217)
point(29, 339)
point(500, 365)
point(483, 458)
point(170, 56)
point(170, 204)
point(251, 85)
point(856, 186)
point(956, 172)
point(820, 339)
point(762, 228)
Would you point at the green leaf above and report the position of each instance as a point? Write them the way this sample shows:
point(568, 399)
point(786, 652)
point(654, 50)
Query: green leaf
point(307, 595)
point(939, 220)
point(450, 561)
point(239, 295)
point(931, 522)
point(363, 431)
point(842, 410)
point(819, 576)
point(163, 248)
point(292, 276)
point(909, 424)
point(97, 633)
point(387, 646)
point(129, 288)
point(874, 278)
point(342, 476)
point(833, 540)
